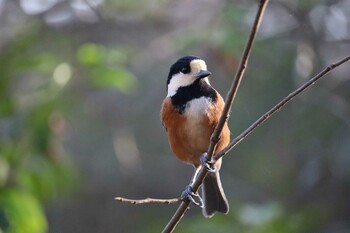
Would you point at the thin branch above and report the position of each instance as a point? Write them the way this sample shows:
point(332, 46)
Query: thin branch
point(277, 107)
point(225, 114)
point(183, 208)
point(148, 200)
point(185, 205)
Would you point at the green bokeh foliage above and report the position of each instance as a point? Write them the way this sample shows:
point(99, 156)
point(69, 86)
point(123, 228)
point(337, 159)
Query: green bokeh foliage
point(34, 168)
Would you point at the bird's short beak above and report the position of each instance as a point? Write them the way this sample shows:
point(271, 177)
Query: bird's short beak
point(202, 74)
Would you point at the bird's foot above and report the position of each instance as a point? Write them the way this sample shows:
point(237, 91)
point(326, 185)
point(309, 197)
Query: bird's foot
point(189, 195)
point(206, 163)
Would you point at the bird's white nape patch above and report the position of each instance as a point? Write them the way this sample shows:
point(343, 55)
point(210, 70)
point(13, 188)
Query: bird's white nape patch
point(181, 80)
point(197, 65)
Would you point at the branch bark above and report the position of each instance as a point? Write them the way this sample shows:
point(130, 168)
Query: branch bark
point(225, 115)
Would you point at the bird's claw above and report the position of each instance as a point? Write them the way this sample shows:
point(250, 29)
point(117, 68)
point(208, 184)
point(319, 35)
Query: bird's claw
point(189, 195)
point(206, 163)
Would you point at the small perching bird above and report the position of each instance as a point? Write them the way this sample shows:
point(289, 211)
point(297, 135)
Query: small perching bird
point(190, 113)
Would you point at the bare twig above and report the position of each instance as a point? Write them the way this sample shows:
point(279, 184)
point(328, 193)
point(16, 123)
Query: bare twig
point(148, 200)
point(246, 132)
point(277, 107)
point(240, 137)
point(225, 114)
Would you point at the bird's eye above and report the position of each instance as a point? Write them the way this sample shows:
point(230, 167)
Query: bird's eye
point(185, 70)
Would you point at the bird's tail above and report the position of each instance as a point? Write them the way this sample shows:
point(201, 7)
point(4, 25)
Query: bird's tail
point(213, 195)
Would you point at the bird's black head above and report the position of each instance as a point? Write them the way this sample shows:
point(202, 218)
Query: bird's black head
point(181, 65)
point(186, 71)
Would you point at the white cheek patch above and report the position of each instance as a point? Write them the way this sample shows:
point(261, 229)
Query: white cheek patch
point(177, 81)
point(182, 80)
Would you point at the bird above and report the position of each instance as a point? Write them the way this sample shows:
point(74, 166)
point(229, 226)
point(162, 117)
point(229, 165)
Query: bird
point(189, 113)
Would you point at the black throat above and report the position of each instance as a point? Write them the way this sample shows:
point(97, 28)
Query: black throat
point(196, 90)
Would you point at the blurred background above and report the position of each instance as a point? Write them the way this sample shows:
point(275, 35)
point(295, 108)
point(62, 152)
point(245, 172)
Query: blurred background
point(81, 85)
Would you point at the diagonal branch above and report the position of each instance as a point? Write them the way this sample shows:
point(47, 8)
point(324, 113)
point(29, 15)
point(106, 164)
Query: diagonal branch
point(246, 132)
point(277, 107)
point(225, 114)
